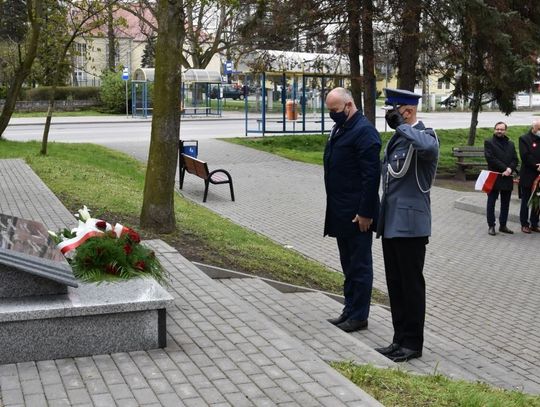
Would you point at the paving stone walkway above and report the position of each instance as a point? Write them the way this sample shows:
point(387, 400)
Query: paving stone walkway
point(220, 352)
point(482, 301)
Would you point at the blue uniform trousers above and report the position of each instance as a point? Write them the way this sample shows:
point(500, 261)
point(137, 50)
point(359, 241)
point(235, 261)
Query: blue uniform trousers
point(357, 265)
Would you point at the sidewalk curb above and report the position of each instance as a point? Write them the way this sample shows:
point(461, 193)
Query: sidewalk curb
point(149, 120)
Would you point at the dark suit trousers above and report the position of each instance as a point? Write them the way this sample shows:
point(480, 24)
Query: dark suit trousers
point(524, 209)
point(404, 263)
point(505, 206)
point(357, 264)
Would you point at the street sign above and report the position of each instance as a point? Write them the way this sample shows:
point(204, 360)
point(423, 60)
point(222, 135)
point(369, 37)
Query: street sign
point(125, 74)
point(228, 69)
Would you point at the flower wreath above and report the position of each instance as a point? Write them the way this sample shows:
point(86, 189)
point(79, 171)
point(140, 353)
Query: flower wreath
point(98, 251)
point(534, 200)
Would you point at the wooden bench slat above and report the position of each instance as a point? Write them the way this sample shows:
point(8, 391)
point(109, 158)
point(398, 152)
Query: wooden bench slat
point(200, 169)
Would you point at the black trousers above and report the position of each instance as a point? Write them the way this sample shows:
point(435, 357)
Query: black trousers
point(404, 264)
point(505, 206)
point(357, 264)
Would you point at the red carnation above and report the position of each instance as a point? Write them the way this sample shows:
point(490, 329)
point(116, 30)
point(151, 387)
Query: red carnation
point(140, 265)
point(127, 248)
point(101, 224)
point(133, 236)
point(112, 269)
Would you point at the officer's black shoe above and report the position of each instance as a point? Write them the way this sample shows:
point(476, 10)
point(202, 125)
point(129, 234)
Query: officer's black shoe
point(491, 231)
point(504, 229)
point(342, 318)
point(404, 354)
point(388, 349)
point(352, 325)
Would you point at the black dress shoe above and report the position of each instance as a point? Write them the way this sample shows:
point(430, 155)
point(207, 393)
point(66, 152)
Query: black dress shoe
point(491, 231)
point(342, 318)
point(504, 229)
point(535, 229)
point(352, 325)
point(404, 354)
point(388, 349)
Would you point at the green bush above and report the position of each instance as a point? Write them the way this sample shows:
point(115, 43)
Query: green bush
point(3, 92)
point(63, 93)
point(113, 93)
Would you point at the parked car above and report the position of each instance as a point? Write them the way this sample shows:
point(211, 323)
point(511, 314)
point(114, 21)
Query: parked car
point(229, 91)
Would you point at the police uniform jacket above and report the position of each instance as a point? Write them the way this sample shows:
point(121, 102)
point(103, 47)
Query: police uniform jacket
point(500, 154)
point(529, 151)
point(405, 204)
point(351, 176)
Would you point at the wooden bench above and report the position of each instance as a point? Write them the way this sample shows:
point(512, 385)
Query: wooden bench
point(200, 169)
point(468, 157)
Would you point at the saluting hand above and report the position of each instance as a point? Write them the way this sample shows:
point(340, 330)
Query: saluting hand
point(363, 223)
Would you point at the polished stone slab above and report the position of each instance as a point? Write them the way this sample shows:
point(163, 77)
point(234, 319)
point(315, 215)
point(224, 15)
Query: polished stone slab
point(88, 320)
point(30, 263)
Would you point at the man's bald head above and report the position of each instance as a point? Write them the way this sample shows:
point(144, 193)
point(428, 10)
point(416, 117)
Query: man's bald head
point(536, 125)
point(340, 100)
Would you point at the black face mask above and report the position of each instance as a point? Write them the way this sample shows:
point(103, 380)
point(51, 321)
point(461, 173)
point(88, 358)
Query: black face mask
point(394, 118)
point(339, 117)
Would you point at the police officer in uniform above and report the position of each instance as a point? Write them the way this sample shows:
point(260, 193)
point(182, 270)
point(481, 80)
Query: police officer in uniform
point(408, 171)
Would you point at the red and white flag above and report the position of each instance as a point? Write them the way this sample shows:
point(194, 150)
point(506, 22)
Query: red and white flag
point(486, 181)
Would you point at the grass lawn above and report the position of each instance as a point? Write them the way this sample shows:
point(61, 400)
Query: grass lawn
point(77, 113)
point(309, 148)
point(111, 185)
point(398, 388)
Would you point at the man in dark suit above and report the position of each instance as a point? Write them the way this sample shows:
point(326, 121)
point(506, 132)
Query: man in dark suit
point(351, 178)
point(529, 152)
point(408, 171)
point(501, 157)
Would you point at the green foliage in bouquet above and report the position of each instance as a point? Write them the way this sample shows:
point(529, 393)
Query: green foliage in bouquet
point(108, 258)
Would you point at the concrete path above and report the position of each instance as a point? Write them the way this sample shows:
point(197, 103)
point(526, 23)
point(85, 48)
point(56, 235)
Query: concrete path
point(481, 290)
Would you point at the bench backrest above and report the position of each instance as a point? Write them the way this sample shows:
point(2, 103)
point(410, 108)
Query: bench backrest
point(468, 151)
point(195, 166)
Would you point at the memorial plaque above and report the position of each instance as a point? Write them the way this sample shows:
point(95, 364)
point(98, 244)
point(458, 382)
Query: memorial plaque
point(30, 263)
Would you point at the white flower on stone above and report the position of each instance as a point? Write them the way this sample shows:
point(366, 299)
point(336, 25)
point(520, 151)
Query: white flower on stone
point(52, 234)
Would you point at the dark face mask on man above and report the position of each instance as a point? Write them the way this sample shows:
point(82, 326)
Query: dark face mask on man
point(339, 117)
point(394, 118)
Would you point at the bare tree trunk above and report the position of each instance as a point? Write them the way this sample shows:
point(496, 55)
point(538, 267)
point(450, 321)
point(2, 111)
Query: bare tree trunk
point(35, 13)
point(50, 110)
point(476, 103)
point(158, 202)
point(410, 40)
point(111, 40)
point(368, 54)
point(353, 15)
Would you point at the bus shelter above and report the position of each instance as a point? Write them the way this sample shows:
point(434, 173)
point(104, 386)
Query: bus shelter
point(287, 90)
point(195, 93)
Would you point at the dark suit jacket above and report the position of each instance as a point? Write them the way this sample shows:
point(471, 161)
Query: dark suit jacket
point(501, 154)
point(351, 176)
point(529, 152)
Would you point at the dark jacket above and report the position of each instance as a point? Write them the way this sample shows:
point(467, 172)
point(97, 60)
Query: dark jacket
point(529, 152)
point(406, 204)
point(500, 154)
point(351, 176)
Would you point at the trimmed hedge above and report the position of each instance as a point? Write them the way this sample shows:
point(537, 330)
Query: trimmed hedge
point(63, 93)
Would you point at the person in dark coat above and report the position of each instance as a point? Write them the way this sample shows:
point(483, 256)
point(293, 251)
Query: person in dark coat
point(408, 171)
point(501, 157)
point(529, 152)
point(351, 179)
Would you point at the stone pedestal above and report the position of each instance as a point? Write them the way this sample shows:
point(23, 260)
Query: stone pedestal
point(89, 320)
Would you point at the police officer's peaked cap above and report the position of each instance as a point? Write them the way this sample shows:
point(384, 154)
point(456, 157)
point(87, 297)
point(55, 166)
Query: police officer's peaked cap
point(401, 97)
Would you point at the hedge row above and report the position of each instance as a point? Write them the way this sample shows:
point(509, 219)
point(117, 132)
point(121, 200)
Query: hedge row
point(63, 93)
